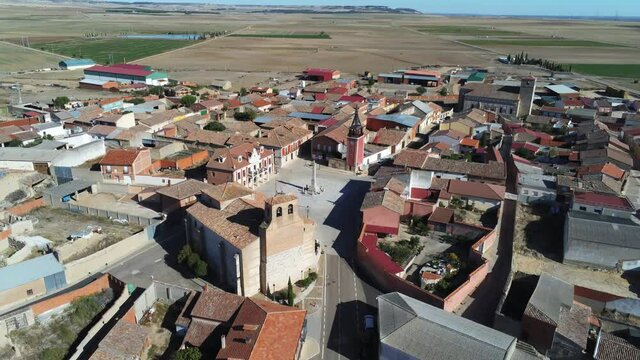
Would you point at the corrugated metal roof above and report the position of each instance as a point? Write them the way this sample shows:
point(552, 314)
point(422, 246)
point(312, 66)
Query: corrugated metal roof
point(425, 332)
point(27, 154)
point(309, 116)
point(94, 81)
point(402, 119)
point(77, 62)
point(561, 89)
point(69, 188)
point(21, 273)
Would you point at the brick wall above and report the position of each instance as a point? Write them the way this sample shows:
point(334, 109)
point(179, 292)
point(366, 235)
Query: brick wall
point(26, 207)
point(98, 285)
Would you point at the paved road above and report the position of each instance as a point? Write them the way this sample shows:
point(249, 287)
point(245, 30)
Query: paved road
point(346, 297)
point(155, 263)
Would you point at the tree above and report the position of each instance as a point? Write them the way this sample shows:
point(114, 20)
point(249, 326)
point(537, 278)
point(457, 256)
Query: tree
point(247, 115)
point(200, 268)
point(243, 91)
point(60, 102)
point(371, 82)
point(215, 126)
point(192, 260)
point(14, 143)
point(188, 100)
point(443, 91)
point(191, 353)
point(421, 90)
point(136, 101)
point(184, 254)
point(156, 90)
point(290, 294)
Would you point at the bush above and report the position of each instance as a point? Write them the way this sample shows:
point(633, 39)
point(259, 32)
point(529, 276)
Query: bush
point(200, 268)
point(192, 260)
point(215, 126)
point(136, 101)
point(419, 226)
point(421, 90)
point(184, 254)
point(247, 115)
point(60, 102)
point(191, 353)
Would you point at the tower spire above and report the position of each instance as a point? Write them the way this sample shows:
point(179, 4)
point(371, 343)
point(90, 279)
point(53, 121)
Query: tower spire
point(355, 130)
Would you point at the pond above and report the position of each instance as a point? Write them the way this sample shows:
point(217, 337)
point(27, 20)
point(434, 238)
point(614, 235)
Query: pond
point(163, 36)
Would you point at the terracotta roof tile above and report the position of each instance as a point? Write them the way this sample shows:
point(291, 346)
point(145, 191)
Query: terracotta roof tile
point(389, 137)
point(281, 199)
point(184, 189)
point(441, 215)
point(238, 235)
point(227, 191)
point(476, 189)
point(120, 157)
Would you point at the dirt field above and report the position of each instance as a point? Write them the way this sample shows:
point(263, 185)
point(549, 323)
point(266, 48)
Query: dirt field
point(538, 249)
point(57, 224)
point(373, 42)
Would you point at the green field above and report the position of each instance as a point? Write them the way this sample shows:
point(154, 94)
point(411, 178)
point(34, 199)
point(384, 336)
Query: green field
point(538, 42)
point(321, 35)
point(609, 70)
point(465, 30)
point(121, 50)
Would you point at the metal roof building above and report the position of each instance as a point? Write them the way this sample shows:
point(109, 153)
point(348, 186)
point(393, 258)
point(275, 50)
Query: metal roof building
point(30, 278)
point(72, 64)
point(411, 329)
point(599, 239)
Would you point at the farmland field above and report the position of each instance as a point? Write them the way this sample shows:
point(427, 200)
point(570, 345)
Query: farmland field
point(14, 58)
point(121, 50)
point(538, 42)
point(465, 30)
point(608, 70)
point(320, 35)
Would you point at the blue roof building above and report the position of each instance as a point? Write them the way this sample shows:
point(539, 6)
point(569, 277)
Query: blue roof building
point(309, 116)
point(400, 119)
point(31, 278)
point(73, 64)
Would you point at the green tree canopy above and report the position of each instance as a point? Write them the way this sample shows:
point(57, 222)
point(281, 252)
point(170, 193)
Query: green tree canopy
point(188, 100)
point(191, 353)
point(136, 101)
point(247, 115)
point(290, 294)
point(215, 126)
point(421, 90)
point(60, 102)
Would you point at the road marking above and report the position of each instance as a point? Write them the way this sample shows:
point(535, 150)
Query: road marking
point(324, 308)
point(158, 260)
point(135, 272)
point(338, 312)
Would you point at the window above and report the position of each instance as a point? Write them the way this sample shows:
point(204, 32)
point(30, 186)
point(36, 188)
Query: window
point(290, 209)
point(279, 212)
point(108, 168)
point(125, 169)
point(598, 211)
point(583, 208)
point(30, 292)
point(535, 193)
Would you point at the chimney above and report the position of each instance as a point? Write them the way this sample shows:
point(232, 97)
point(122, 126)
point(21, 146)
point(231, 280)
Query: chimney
point(223, 341)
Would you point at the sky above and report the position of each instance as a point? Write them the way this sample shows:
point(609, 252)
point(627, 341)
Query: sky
point(590, 8)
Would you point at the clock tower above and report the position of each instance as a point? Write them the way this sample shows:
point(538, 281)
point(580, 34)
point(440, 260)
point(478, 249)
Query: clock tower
point(355, 144)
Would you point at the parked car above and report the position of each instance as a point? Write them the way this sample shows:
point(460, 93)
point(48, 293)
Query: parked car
point(369, 322)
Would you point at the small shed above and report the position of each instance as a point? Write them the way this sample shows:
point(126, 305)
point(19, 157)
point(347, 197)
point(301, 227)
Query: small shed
point(220, 84)
point(74, 64)
point(57, 195)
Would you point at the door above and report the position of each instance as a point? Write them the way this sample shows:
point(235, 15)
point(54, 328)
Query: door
point(127, 179)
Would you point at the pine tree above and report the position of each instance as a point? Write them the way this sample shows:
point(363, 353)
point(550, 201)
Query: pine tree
point(290, 294)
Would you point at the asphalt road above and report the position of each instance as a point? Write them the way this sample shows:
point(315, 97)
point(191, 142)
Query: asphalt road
point(337, 327)
point(156, 262)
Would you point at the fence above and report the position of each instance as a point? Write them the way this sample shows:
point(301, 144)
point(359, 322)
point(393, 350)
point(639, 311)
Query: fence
point(96, 262)
point(156, 291)
point(132, 219)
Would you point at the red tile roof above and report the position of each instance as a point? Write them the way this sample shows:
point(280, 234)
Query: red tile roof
point(441, 215)
point(120, 157)
point(476, 189)
point(264, 331)
point(613, 171)
point(604, 200)
point(474, 143)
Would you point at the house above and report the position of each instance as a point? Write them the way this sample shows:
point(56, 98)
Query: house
point(426, 78)
point(318, 74)
point(264, 330)
point(536, 188)
point(125, 121)
point(476, 194)
point(450, 137)
point(74, 64)
point(393, 138)
point(381, 211)
point(122, 165)
point(553, 322)
point(603, 204)
point(255, 245)
point(493, 171)
point(180, 196)
point(600, 240)
point(285, 142)
point(247, 164)
point(505, 100)
point(428, 333)
point(113, 104)
point(124, 341)
point(31, 278)
point(400, 121)
point(611, 347)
